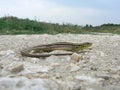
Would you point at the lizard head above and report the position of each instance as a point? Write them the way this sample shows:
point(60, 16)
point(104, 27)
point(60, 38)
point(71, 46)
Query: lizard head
point(83, 46)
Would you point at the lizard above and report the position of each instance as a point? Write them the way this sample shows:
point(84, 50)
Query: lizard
point(39, 51)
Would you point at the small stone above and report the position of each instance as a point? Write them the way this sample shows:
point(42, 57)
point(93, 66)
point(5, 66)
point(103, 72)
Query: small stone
point(44, 76)
point(88, 79)
point(52, 59)
point(1, 66)
point(29, 76)
point(70, 78)
point(5, 62)
point(102, 54)
point(9, 53)
point(72, 64)
point(77, 87)
point(40, 69)
point(33, 75)
point(2, 53)
point(35, 60)
point(75, 57)
point(105, 77)
point(58, 76)
point(16, 68)
point(93, 68)
point(74, 68)
point(55, 64)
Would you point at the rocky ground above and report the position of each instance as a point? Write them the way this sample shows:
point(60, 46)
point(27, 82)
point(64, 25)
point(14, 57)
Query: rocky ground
point(98, 68)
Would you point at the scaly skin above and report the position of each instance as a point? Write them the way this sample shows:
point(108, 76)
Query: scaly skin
point(39, 50)
point(82, 46)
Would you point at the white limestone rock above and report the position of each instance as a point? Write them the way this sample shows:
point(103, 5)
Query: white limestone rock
point(74, 68)
point(39, 69)
point(9, 53)
point(35, 60)
point(16, 67)
point(76, 57)
point(27, 84)
point(87, 79)
point(5, 62)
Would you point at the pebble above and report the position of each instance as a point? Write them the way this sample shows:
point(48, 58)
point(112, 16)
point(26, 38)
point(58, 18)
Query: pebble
point(5, 62)
point(29, 76)
point(23, 83)
point(105, 77)
point(55, 64)
point(32, 75)
point(16, 68)
point(58, 76)
point(44, 76)
point(2, 53)
point(76, 87)
point(52, 59)
point(9, 53)
point(87, 79)
point(1, 67)
point(74, 68)
point(75, 57)
point(40, 69)
point(93, 68)
point(35, 60)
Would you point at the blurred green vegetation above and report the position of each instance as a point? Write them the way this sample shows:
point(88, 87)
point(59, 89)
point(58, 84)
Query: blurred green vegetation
point(14, 25)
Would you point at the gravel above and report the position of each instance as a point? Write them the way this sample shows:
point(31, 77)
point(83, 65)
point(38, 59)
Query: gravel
point(98, 68)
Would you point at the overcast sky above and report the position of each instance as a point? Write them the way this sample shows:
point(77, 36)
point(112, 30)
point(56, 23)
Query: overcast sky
point(95, 12)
